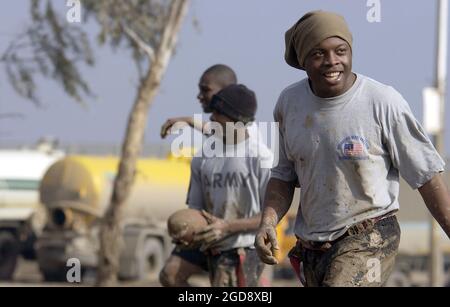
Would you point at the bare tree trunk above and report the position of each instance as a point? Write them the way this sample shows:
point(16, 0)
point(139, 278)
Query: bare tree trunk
point(111, 228)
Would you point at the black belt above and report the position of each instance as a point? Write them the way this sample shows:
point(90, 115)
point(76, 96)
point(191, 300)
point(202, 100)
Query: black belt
point(353, 230)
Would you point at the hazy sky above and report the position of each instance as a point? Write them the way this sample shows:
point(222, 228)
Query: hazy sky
point(247, 35)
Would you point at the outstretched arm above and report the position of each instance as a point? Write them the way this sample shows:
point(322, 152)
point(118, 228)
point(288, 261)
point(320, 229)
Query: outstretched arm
point(437, 198)
point(278, 199)
point(165, 128)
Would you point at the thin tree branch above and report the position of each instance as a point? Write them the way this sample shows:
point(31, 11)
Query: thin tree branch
point(177, 11)
point(144, 46)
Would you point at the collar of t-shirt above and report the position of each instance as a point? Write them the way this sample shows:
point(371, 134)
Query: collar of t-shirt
point(338, 100)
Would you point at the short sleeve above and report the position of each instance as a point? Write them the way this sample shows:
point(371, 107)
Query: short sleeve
point(284, 169)
point(195, 193)
point(409, 147)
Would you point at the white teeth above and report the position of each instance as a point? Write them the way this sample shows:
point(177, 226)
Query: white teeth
point(333, 75)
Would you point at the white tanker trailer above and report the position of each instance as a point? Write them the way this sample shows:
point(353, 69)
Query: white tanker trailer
point(21, 216)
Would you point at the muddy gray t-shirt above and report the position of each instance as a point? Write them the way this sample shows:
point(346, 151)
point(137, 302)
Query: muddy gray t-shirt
point(347, 153)
point(231, 187)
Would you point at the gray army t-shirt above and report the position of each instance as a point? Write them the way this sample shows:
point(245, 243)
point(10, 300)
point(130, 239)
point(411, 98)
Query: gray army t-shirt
point(232, 186)
point(347, 153)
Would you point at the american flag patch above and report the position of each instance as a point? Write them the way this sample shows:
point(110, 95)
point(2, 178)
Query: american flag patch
point(353, 149)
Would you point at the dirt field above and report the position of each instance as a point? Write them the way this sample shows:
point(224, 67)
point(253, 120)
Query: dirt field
point(28, 275)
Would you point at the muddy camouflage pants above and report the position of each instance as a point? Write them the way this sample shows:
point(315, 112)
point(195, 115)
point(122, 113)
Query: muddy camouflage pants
point(363, 258)
point(235, 268)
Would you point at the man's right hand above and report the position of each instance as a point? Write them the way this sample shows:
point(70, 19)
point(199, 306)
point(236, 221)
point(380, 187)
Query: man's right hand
point(266, 244)
point(165, 128)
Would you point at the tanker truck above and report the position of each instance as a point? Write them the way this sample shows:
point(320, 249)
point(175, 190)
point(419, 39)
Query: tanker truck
point(76, 191)
point(22, 218)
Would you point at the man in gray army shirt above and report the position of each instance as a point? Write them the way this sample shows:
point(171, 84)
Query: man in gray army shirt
point(228, 186)
point(183, 263)
point(345, 139)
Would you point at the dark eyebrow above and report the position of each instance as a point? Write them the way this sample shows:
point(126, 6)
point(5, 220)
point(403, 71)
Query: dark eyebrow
point(323, 49)
point(316, 49)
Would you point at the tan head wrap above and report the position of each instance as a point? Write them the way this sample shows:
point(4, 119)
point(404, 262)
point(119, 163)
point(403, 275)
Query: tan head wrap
point(310, 30)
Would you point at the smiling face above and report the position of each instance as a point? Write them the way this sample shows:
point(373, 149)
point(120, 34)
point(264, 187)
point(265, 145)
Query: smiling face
point(329, 68)
point(208, 87)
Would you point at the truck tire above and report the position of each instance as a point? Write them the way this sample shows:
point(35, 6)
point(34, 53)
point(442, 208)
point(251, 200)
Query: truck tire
point(28, 249)
point(151, 259)
point(9, 251)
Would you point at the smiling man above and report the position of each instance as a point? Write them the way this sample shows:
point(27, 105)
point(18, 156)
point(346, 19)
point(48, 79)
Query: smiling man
point(345, 139)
